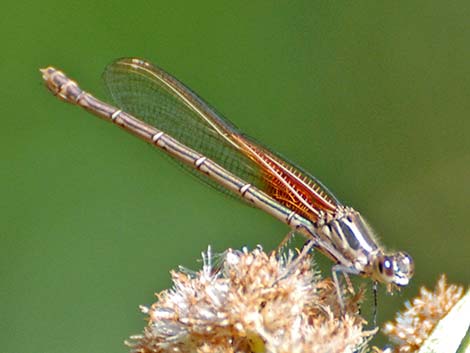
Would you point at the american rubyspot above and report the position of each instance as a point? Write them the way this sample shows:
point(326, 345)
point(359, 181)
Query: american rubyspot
point(159, 109)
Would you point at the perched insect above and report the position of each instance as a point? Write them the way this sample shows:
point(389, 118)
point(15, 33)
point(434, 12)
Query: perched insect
point(162, 111)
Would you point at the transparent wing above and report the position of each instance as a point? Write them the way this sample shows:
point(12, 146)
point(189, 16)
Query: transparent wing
point(154, 96)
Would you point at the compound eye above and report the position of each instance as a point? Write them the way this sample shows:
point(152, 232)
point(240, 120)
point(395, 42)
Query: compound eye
point(405, 265)
point(386, 266)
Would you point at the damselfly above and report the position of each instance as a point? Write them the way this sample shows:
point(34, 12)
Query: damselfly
point(162, 111)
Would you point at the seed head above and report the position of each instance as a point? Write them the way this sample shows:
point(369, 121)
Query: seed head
point(251, 302)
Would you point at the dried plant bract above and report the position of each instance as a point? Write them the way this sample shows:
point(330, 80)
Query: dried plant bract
point(412, 327)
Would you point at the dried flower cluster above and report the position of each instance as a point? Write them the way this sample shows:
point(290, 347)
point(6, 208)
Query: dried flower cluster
point(414, 325)
point(251, 302)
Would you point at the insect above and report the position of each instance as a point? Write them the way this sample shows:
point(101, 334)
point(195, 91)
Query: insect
point(161, 110)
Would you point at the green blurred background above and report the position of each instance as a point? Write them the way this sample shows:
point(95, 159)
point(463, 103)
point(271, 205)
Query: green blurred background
point(371, 97)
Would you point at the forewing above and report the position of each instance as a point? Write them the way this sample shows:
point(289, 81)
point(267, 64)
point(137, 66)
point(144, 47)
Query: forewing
point(156, 97)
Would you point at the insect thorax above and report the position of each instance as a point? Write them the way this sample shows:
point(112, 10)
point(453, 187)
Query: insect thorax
point(351, 240)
